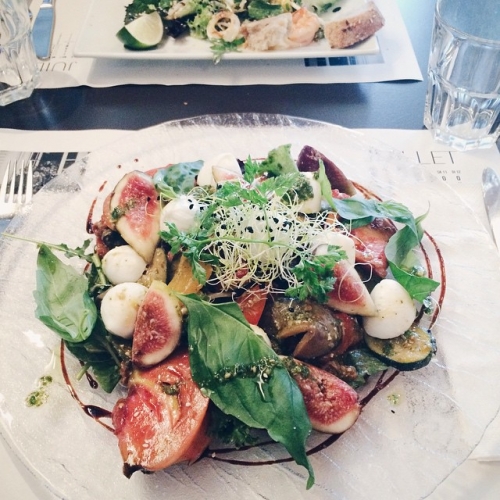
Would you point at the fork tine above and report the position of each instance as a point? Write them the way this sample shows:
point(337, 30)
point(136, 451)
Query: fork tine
point(3, 185)
point(20, 187)
point(12, 186)
point(29, 183)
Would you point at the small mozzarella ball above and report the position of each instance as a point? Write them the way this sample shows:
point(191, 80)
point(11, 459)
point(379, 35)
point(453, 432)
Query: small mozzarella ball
point(320, 244)
point(395, 311)
point(312, 205)
point(182, 212)
point(123, 264)
point(119, 308)
point(224, 166)
point(261, 333)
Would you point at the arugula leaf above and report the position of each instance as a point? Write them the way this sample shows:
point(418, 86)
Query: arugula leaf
point(244, 377)
point(63, 302)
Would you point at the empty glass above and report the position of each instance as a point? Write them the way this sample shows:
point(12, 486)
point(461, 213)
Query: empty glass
point(463, 97)
point(19, 72)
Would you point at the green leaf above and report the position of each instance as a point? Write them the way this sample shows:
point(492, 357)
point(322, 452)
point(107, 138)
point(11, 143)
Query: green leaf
point(366, 364)
point(244, 377)
point(177, 179)
point(260, 9)
point(315, 275)
point(220, 46)
point(279, 161)
point(326, 187)
point(419, 287)
point(61, 295)
point(103, 354)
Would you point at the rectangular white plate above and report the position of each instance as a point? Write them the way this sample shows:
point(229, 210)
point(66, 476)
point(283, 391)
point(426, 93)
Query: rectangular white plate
point(105, 18)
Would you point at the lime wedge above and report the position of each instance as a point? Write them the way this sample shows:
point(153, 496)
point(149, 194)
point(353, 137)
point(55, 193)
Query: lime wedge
point(145, 32)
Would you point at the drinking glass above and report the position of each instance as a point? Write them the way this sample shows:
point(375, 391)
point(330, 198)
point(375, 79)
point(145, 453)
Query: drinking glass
point(19, 72)
point(462, 106)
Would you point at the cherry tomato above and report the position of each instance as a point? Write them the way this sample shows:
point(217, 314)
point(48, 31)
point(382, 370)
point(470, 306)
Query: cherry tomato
point(252, 303)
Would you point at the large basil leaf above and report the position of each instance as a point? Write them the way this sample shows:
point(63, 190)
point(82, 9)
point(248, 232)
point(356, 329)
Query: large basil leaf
point(244, 377)
point(61, 295)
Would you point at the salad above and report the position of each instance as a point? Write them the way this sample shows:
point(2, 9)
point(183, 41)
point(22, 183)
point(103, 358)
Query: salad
point(236, 300)
point(254, 25)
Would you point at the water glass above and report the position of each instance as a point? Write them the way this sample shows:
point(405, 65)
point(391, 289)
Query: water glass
point(462, 106)
point(19, 72)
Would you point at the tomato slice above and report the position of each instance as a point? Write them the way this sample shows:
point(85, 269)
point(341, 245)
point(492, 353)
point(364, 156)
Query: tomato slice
point(163, 419)
point(252, 303)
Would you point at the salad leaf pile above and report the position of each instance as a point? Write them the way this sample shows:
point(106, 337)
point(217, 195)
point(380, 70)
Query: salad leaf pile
point(224, 364)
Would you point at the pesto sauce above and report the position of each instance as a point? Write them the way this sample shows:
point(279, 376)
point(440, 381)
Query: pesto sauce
point(39, 396)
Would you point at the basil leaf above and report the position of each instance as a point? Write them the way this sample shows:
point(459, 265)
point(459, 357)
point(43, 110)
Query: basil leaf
point(279, 160)
point(63, 302)
point(102, 354)
point(419, 287)
point(177, 179)
point(401, 259)
point(356, 208)
point(244, 377)
point(366, 364)
point(325, 186)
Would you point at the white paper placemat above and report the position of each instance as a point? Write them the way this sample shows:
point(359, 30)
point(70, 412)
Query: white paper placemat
point(396, 61)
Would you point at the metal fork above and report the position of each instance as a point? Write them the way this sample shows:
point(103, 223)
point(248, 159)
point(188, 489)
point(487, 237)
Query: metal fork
point(13, 197)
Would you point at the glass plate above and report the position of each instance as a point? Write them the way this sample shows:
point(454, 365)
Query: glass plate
point(401, 450)
point(105, 17)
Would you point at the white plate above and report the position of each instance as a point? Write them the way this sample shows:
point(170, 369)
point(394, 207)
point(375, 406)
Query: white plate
point(398, 451)
point(105, 18)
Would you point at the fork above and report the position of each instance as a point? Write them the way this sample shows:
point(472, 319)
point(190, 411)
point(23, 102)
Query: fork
point(13, 200)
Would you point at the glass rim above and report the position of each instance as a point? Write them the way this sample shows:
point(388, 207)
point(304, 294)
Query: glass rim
point(463, 34)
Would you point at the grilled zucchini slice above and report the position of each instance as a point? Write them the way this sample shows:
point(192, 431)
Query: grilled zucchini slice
point(410, 351)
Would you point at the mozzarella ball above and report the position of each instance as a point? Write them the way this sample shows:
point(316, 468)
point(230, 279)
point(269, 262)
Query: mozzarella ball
point(395, 311)
point(225, 166)
point(312, 205)
point(261, 333)
point(123, 264)
point(182, 212)
point(119, 308)
point(320, 244)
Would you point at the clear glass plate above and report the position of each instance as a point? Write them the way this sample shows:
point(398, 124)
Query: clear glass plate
point(401, 450)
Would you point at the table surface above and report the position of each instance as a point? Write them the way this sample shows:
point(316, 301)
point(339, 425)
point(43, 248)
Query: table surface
point(396, 105)
point(371, 105)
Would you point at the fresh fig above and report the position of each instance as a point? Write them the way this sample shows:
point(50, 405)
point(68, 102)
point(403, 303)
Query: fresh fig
point(332, 404)
point(158, 326)
point(308, 161)
point(349, 293)
point(135, 209)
